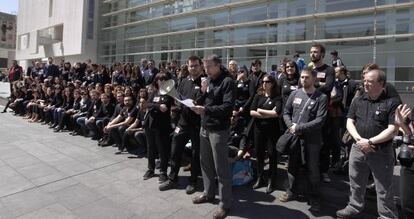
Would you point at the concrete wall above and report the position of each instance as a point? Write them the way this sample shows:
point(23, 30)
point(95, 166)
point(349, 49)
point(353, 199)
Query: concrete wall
point(67, 40)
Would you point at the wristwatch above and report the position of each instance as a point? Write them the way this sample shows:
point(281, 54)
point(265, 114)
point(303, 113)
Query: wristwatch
point(370, 142)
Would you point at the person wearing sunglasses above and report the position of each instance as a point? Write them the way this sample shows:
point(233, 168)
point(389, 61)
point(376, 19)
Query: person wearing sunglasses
point(265, 110)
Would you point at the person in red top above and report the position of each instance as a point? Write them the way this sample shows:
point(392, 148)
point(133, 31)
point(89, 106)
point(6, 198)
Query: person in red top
point(15, 74)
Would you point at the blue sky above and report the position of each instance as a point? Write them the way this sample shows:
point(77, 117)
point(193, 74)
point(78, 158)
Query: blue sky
point(9, 6)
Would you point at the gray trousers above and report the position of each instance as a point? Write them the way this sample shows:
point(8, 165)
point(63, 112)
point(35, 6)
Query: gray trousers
point(381, 164)
point(214, 162)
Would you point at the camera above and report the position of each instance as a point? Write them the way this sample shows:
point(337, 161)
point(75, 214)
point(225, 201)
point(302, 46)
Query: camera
point(406, 155)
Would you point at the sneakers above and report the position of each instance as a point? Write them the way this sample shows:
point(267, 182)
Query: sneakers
point(346, 213)
point(190, 189)
point(149, 174)
point(162, 178)
point(167, 185)
point(221, 213)
point(325, 178)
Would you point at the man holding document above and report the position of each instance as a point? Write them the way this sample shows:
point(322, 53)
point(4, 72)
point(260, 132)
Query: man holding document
point(188, 127)
point(215, 107)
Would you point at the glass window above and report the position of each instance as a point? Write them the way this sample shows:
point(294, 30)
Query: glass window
point(341, 5)
point(213, 19)
point(138, 15)
point(210, 3)
point(157, 27)
point(185, 23)
point(182, 41)
point(132, 3)
point(136, 31)
point(162, 10)
point(211, 38)
point(343, 27)
point(397, 22)
point(288, 8)
point(248, 13)
point(291, 31)
point(135, 46)
point(182, 6)
point(248, 35)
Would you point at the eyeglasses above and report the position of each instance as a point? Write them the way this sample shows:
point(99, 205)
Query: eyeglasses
point(266, 82)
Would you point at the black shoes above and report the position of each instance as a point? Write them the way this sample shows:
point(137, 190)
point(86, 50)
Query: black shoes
point(167, 185)
point(221, 213)
point(149, 174)
point(259, 183)
point(202, 199)
point(190, 189)
point(315, 206)
point(162, 178)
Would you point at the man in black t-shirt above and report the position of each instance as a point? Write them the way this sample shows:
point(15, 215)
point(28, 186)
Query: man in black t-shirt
point(325, 79)
point(117, 127)
point(371, 123)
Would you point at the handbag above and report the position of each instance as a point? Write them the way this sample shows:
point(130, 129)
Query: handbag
point(242, 172)
point(287, 142)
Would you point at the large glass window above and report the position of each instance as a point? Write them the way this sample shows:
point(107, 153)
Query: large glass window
point(344, 27)
point(135, 46)
point(185, 23)
point(132, 3)
point(161, 10)
point(157, 27)
point(212, 19)
point(211, 38)
point(291, 31)
point(210, 3)
point(340, 5)
point(248, 35)
point(288, 8)
point(182, 41)
point(248, 13)
point(136, 31)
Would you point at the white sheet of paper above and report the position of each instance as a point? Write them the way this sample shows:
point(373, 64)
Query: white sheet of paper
point(187, 102)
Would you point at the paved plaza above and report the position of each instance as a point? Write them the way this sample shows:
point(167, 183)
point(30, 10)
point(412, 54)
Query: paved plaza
point(54, 175)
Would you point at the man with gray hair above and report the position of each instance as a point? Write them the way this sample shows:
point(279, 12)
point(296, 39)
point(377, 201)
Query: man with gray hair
point(371, 124)
point(215, 107)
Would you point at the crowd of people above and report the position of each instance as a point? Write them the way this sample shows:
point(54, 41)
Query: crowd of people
point(301, 110)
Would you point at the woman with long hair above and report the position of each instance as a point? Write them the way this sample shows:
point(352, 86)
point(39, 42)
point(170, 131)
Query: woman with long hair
point(265, 110)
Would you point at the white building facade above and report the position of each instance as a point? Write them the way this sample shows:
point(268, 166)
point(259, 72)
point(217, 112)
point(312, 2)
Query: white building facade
point(7, 39)
point(63, 29)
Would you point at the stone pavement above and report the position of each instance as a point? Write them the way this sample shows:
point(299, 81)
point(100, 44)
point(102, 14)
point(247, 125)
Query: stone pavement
point(54, 175)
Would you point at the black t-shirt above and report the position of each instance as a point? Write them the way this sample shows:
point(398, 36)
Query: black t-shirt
point(242, 93)
point(372, 116)
point(267, 103)
point(129, 112)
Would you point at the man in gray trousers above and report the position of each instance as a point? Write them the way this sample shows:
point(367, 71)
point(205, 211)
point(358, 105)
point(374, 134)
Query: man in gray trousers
point(215, 107)
point(304, 115)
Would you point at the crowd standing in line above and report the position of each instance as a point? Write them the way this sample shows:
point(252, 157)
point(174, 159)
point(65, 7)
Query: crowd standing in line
point(299, 110)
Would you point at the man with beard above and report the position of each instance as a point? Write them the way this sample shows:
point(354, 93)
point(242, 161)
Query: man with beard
point(325, 79)
point(304, 115)
point(116, 128)
point(188, 128)
point(106, 140)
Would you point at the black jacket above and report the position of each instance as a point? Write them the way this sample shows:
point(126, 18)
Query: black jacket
point(218, 101)
point(189, 89)
point(156, 119)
